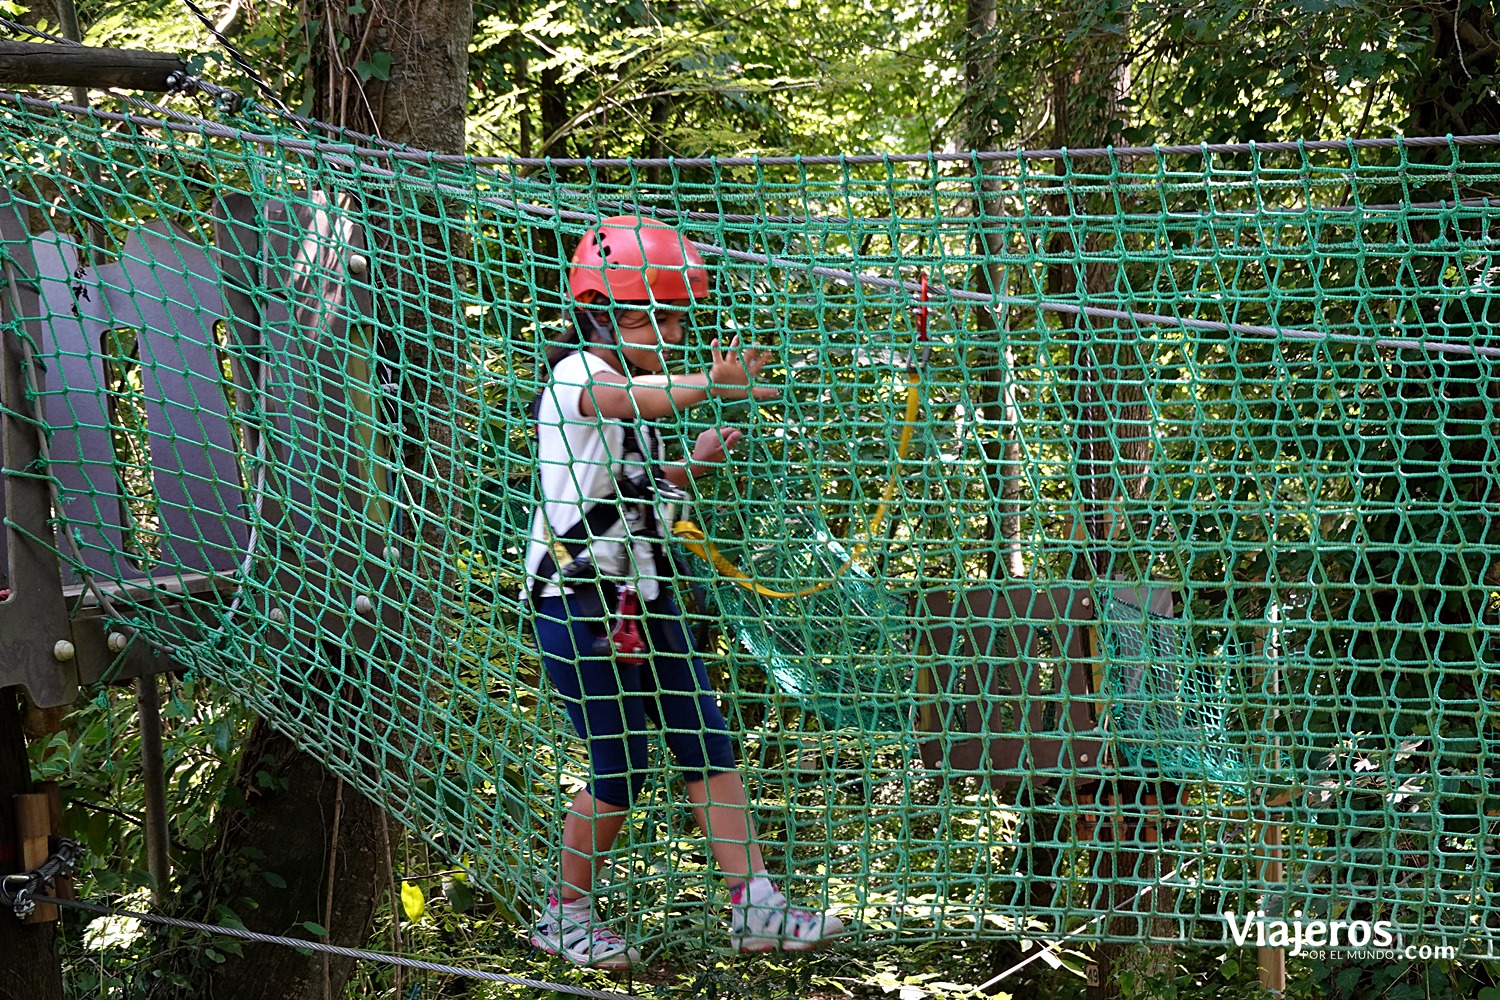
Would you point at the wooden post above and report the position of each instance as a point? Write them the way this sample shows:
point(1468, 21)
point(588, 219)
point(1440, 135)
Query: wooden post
point(1271, 961)
point(29, 965)
point(67, 13)
point(34, 828)
point(62, 886)
point(46, 64)
point(154, 782)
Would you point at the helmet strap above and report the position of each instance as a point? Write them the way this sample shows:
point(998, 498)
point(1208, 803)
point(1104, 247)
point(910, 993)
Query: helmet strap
point(603, 333)
point(601, 325)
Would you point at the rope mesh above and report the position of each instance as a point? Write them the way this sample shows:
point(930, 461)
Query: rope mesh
point(287, 407)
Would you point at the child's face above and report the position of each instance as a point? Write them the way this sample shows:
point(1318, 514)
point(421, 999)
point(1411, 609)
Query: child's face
point(647, 336)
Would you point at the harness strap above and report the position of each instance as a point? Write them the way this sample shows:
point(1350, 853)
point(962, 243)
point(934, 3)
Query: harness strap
point(600, 518)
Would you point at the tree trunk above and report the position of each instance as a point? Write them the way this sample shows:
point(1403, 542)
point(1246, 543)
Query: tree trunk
point(552, 101)
point(994, 364)
point(29, 964)
point(1453, 92)
point(1450, 91)
point(655, 146)
point(554, 107)
point(997, 397)
point(29, 968)
point(306, 823)
point(520, 48)
point(1090, 81)
point(316, 834)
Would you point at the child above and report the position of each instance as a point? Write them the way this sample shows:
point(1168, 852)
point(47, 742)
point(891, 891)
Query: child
point(600, 582)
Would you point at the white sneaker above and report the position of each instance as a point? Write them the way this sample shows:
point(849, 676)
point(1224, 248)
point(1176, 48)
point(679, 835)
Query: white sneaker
point(573, 931)
point(761, 919)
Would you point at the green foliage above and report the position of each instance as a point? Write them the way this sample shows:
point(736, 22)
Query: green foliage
point(727, 79)
point(96, 762)
point(813, 76)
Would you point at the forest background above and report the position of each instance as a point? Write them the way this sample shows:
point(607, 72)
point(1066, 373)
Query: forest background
point(729, 77)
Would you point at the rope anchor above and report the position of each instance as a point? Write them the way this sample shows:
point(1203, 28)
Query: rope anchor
point(16, 891)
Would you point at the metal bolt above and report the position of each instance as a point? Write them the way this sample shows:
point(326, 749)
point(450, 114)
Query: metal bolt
point(359, 264)
point(277, 615)
point(363, 604)
point(118, 641)
point(63, 651)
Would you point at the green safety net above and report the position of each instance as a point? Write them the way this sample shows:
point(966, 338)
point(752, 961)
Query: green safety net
point(1232, 408)
point(1171, 714)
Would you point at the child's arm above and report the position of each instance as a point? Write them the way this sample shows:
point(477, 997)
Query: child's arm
point(711, 448)
point(651, 397)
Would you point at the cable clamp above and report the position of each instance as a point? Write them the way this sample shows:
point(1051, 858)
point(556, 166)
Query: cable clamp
point(225, 100)
point(16, 890)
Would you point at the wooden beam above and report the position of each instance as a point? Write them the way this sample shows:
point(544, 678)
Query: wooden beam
point(62, 886)
point(46, 64)
point(146, 588)
point(1271, 962)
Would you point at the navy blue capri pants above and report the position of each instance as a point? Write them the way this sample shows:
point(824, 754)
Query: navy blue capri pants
point(610, 704)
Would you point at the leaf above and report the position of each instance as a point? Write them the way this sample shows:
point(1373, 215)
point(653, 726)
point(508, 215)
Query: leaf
point(313, 927)
point(460, 896)
point(377, 67)
point(219, 735)
point(274, 881)
point(412, 901)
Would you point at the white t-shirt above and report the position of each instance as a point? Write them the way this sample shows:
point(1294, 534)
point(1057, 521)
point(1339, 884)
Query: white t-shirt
point(579, 459)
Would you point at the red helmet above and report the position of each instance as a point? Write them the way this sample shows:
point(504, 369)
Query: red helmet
point(631, 259)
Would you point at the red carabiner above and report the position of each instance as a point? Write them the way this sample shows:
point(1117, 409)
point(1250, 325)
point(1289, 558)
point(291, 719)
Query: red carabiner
point(626, 639)
point(922, 309)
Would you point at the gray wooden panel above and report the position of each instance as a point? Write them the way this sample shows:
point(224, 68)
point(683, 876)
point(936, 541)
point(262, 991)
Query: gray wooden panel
point(330, 405)
point(315, 392)
point(238, 257)
point(76, 405)
point(165, 287)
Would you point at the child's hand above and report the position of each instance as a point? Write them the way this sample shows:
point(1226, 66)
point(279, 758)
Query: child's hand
point(732, 371)
point(713, 446)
